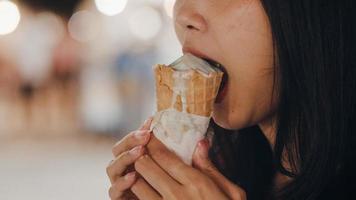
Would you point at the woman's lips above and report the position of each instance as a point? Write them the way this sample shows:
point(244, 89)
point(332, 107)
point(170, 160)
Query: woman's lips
point(223, 86)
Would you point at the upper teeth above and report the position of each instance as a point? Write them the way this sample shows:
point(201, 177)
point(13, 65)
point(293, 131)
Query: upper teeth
point(218, 65)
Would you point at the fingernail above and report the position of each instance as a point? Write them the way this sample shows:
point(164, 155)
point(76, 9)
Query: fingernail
point(136, 150)
point(130, 176)
point(141, 134)
point(147, 120)
point(203, 147)
point(203, 143)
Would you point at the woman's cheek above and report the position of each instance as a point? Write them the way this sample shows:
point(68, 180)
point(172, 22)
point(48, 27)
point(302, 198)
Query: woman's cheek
point(232, 112)
point(244, 106)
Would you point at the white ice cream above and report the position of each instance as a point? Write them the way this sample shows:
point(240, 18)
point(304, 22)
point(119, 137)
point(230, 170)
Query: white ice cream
point(189, 61)
point(179, 131)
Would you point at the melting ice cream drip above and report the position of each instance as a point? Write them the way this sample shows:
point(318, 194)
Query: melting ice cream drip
point(180, 88)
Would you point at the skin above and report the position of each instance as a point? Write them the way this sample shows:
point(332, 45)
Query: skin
point(236, 34)
point(160, 174)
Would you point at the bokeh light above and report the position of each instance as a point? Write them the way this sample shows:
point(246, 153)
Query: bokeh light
point(168, 6)
point(9, 17)
point(52, 25)
point(154, 2)
point(110, 7)
point(145, 23)
point(83, 26)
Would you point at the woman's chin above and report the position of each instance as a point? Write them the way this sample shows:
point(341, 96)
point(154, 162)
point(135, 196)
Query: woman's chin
point(228, 120)
point(221, 119)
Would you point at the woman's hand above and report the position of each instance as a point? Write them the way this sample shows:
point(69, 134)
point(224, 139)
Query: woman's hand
point(165, 176)
point(126, 152)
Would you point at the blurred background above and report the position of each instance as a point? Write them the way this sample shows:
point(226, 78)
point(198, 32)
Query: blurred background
point(75, 77)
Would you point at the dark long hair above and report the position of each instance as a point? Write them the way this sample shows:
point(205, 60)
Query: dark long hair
point(315, 45)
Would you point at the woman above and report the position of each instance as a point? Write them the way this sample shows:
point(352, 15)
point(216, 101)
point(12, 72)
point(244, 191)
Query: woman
point(284, 122)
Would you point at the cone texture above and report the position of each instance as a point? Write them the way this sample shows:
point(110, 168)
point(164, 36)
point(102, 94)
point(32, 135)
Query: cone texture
point(198, 97)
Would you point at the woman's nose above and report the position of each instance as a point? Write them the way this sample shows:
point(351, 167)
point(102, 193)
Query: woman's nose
point(189, 19)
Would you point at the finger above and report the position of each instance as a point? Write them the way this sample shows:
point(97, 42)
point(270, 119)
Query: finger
point(202, 162)
point(123, 183)
point(170, 162)
point(156, 176)
point(136, 138)
point(144, 191)
point(118, 166)
point(146, 125)
point(201, 154)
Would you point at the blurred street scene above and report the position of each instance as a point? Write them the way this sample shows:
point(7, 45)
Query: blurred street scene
point(75, 77)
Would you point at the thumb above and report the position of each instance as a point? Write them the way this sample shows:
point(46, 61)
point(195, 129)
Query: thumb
point(201, 159)
point(202, 162)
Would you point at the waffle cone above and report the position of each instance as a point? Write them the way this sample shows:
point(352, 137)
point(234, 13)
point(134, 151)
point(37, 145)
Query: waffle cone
point(199, 96)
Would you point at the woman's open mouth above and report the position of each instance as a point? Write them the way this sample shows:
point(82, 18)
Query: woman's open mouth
point(223, 86)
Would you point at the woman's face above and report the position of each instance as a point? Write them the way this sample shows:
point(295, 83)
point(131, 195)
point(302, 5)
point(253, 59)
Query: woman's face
point(236, 34)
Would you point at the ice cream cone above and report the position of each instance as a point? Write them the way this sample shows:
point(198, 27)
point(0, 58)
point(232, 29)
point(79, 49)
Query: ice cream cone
point(198, 96)
point(185, 94)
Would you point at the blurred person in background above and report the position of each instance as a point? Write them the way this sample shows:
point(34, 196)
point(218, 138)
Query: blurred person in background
point(285, 123)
